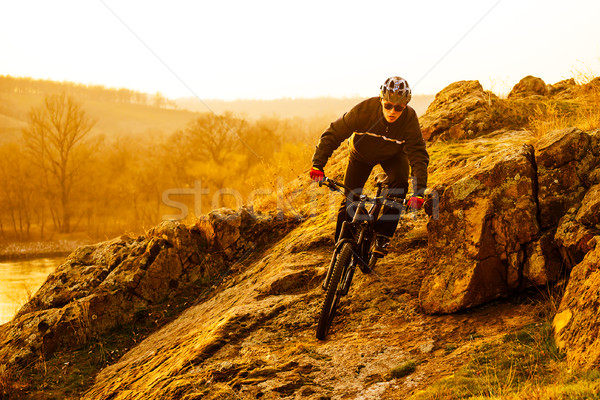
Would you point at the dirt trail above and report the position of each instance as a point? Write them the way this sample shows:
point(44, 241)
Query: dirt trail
point(255, 337)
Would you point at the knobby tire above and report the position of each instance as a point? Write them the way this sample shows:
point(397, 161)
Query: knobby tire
point(332, 298)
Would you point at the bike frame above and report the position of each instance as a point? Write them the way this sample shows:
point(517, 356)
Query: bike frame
point(353, 247)
point(357, 232)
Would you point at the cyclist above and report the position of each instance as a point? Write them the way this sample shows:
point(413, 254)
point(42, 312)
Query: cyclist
point(383, 130)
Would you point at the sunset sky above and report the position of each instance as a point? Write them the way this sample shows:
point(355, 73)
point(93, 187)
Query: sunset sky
point(273, 49)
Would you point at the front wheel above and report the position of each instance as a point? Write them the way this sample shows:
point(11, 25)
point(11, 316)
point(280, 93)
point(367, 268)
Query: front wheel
point(333, 295)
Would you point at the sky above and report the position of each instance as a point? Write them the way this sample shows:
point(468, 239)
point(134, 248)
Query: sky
point(273, 49)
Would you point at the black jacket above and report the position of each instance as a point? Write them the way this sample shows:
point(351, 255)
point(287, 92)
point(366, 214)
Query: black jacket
point(374, 139)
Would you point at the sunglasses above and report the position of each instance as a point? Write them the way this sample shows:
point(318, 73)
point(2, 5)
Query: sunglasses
point(396, 107)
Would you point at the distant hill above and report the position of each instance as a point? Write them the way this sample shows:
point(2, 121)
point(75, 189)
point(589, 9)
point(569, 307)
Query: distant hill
point(124, 111)
point(288, 107)
point(116, 111)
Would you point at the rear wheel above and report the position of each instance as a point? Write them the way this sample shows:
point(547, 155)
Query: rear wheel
point(333, 295)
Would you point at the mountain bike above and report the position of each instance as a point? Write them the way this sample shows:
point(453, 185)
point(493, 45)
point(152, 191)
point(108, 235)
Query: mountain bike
point(353, 247)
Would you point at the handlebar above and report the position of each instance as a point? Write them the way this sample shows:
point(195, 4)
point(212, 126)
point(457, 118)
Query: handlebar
point(335, 186)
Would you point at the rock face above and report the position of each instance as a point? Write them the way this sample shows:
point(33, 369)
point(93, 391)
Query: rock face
point(565, 158)
point(489, 219)
point(459, 111)
point(577, 322)
point(103, 286)
point(529, 86)
point(509, 220)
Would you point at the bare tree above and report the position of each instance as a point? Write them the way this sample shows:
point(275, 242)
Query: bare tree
point(214, 137)
point(55, 137)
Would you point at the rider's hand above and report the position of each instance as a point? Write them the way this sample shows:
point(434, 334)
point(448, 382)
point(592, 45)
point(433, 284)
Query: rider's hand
point(316, 174)
point(416, 202)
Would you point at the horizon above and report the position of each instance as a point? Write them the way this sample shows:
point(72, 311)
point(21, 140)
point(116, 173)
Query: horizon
point(192, 97)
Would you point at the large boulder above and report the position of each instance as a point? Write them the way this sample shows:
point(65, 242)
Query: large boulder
point(565, 159)
point(565, 89)
point(529, 86)
point(513, 219)
point(487, 226)
point(460, 110)
point(577, 323)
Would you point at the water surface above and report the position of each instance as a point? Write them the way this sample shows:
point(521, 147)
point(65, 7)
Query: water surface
point(20, 279)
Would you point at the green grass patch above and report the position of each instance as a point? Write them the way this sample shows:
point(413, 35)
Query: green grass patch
point(522, 363)
point(402, 370)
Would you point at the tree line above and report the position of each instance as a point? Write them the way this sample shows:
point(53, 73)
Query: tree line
point(60, 179)
point(17, 85)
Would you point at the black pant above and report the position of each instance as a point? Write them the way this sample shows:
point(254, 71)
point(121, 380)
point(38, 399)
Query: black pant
point(357, 173)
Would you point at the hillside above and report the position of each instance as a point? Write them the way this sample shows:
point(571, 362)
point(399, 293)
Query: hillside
point(491, 292)
point(116, 116)
point(112, 118)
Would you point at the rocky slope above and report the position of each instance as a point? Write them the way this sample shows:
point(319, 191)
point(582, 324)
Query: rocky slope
point(230, 304)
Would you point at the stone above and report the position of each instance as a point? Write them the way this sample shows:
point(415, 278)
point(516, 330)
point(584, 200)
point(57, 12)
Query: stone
point(226, 224)
point(577, 322)
point(577, 228)
point(458, 111)
point(543, 263)
point(529, 86)
point(589, 212)
point(564, 161)
point(488, 218)
point(564, 89)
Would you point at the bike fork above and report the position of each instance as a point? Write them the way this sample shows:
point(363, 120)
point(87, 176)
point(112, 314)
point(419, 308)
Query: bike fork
point(345, 286)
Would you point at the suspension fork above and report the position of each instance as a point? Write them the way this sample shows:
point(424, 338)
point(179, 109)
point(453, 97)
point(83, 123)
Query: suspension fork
point(347, 278)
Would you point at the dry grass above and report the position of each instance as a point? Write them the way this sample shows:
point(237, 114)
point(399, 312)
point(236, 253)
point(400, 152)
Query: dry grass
point(549, 116)
point(581, 112)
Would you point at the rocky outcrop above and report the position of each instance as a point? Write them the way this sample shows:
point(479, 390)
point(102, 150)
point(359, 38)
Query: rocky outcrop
point(509, 219)
point(529, 86)
point(565, 160)
point(578, 227)
point(460, 110)
point(489, 220)
point(564, 89)
point(104, 286)
point(577, 323)
point(464, 110)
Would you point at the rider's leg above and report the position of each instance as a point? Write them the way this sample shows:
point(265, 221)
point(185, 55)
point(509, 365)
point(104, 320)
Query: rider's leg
point(397, 169)
point(357, 173)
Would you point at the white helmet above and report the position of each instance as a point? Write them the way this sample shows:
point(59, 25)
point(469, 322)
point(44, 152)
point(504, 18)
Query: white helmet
point(396, 90)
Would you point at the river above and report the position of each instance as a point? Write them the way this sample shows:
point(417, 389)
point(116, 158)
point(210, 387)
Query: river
point(20, 279)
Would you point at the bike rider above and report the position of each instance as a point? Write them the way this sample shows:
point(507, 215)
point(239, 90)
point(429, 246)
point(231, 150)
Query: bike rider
point(383, 130)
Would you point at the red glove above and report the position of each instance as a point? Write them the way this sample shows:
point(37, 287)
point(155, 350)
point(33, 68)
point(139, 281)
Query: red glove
point(316, 174)
point(416, 202)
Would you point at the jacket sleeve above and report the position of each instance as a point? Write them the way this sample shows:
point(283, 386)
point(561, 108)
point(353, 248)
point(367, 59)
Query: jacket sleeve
point(338, 131)
point(418, 156)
